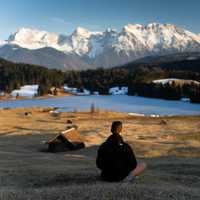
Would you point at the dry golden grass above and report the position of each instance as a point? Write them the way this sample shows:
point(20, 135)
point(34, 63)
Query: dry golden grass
point(169, 145)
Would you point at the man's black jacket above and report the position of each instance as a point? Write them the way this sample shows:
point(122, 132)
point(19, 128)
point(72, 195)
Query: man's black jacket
point(115, 159)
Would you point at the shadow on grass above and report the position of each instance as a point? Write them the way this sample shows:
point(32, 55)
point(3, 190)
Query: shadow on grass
point(82, 177)
point(41, 169)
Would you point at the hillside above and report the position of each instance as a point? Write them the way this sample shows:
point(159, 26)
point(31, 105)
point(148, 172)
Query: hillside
point(169, 57)
point(13, 75)
point(170, 147)
point(138, 77)
point(47, 56)
point(179, 62)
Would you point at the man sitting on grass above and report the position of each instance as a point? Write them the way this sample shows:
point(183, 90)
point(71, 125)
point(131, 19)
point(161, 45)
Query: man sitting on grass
point(116, 159)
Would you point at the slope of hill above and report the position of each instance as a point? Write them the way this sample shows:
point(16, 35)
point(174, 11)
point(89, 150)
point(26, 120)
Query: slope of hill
point(167, 62)
point(13, 75)
point(169, 145)
point(47, 56)
point(169, 57)
point(138, 77)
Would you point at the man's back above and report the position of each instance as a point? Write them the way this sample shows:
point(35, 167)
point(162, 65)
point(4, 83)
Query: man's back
point(115, 159)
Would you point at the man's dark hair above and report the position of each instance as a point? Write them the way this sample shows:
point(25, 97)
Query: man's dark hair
point(116, 127)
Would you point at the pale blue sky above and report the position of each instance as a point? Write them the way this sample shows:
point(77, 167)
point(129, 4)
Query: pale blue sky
point(63, 16)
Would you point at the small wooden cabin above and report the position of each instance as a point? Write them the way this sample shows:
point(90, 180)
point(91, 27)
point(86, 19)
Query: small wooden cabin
point(67, 140)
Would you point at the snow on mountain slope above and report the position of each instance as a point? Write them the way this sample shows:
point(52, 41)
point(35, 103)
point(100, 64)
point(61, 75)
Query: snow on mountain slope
point(156, 38)
point(79, 42)
point(101, 42)
point(48, 57)
point(33, 39)
point(110, 47)
point(153, 37)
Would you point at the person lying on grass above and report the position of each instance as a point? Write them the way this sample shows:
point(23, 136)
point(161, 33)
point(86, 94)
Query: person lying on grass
point(116, 159)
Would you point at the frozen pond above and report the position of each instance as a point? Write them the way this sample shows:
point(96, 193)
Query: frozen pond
point(114, 103)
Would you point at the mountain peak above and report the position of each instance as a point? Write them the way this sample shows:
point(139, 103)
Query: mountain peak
point(110, 30)
point(132, 27)
point(79, 31)
point(32, 38)
point(24, 32)
point(154, 25)
point(111, 47)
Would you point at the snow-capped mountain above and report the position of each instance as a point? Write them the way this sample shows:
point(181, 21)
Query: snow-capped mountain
point(79, 42)
point(33, 39)
point(155, 39)
point(110, 48)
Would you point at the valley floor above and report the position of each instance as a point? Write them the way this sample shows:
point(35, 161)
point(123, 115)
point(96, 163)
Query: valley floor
point(169, 145)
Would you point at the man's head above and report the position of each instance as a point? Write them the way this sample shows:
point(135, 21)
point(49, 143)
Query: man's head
point(116, 127)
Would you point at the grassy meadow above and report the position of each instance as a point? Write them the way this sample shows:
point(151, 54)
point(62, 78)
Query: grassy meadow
point(169, 145)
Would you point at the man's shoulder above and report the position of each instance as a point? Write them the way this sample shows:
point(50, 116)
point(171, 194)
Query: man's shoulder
point(127, 148)
point(107, 144)
point(103, 146)
point(127, 145)
point(107, 141)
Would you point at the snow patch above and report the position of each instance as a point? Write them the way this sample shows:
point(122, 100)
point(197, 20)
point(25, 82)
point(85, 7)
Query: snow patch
point(26, 91)
point(165, 81)
point(171, 80)
point(118, 91)
point(76, 91)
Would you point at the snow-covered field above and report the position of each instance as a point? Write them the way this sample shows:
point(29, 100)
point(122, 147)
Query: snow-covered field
point(129, 104)
point(165, 81)
point(76, 91)
point(118, 91)
point(171, 80)
point(26, 91)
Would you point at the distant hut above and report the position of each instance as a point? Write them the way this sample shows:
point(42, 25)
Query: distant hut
point(67, 140)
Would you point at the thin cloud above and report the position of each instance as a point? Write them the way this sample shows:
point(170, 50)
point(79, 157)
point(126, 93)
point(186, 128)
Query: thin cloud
point(60, 21)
